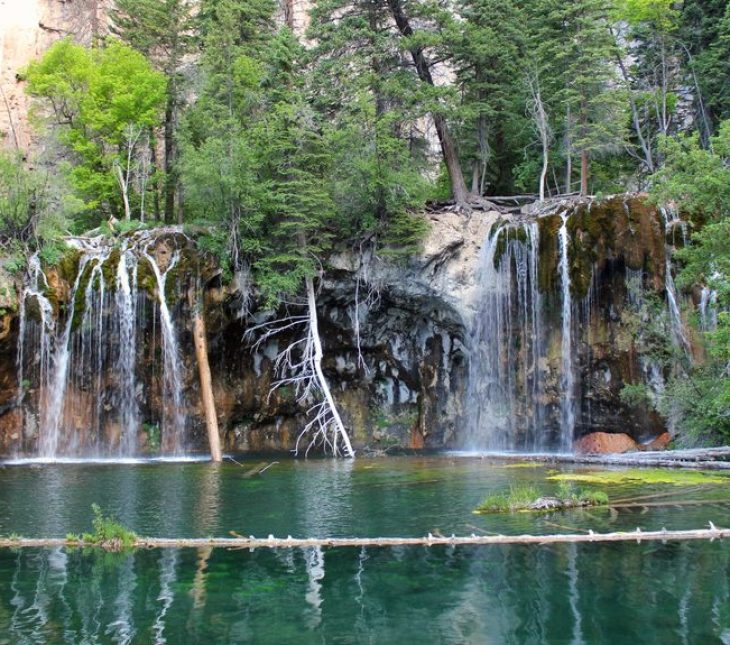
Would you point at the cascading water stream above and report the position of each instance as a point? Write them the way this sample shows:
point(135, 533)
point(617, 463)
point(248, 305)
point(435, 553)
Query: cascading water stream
point(708, 309)
point(80, 385)
point(126, 305)
point(35, 290)
point(505, 381)
point(51, 414)
point(567, 402)
point(173, 425)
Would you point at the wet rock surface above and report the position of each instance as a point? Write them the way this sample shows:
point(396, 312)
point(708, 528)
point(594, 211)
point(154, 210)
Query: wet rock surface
point(397, 340)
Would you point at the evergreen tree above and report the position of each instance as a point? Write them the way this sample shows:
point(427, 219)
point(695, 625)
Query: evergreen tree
point(373, 107)
point(488, 55)
point(374, 47)
point(703, 34)
point(219, 160)
point(574, 57)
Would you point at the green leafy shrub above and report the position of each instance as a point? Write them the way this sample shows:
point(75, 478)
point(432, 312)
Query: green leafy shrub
point(108, 533)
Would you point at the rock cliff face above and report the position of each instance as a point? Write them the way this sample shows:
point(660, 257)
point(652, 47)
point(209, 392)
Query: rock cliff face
point(401, 341)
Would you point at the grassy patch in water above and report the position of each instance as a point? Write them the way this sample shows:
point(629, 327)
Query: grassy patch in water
point(519, 497)
point(642, 476)
point(528, 498)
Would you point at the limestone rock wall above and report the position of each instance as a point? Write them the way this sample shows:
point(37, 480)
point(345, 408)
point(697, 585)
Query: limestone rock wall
point(397, 338)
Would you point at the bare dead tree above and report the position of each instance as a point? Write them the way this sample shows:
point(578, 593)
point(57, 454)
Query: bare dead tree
point(124, 174)
point(299, 365)
point(536, 108)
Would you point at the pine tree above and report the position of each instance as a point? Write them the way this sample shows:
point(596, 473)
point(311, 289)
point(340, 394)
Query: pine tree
point(220, 163)
point(373, 47)
point(487, 50)
point(371, 105)
point(574, 52)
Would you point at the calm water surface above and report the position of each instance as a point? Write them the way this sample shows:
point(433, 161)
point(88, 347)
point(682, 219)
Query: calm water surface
point(618, 593)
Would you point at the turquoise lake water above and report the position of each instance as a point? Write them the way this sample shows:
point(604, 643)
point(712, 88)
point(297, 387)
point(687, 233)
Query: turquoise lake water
point(617, 593)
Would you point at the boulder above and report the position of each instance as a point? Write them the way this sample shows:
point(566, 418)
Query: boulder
point(602, 443)
point(658, 443)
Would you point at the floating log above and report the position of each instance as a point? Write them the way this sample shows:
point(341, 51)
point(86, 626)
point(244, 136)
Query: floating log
point(271, 542)
point(698, 459)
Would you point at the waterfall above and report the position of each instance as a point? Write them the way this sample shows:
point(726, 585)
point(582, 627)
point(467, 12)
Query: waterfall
point(512, 403)
point(36, 285)
point(567, 401)
point(51, 413)
point(708, 309)
point(126, 304)
point(505, 379)
point(675, 316)
point(79, 381)
point(173, 419)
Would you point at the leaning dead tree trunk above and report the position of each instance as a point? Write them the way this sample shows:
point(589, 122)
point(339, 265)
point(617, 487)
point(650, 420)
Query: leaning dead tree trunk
point(299, 365)
point(206, 383)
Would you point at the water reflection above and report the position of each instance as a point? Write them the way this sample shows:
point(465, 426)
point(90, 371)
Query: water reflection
point(566, 593)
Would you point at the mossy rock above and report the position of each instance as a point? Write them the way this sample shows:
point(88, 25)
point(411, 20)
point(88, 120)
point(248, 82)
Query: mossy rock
point(630, 229)
point(549, 251)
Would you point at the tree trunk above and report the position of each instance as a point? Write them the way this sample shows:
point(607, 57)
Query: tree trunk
point(13, 131)
point(423, 68)
point(568, 155)
point(123, 187)
point(645, 149)
point(170, 153)
point(206, 386)
point(340, 432)
point(475, 176)
point(289, 14)
point(584, 172)
point(153, 173)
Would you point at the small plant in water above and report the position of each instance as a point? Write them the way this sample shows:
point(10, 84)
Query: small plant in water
point(528, 498)
point(108, 533)
point(519, 497)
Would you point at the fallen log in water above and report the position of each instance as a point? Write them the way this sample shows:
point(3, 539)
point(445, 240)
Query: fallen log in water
point(700, 458)
point(711, 533)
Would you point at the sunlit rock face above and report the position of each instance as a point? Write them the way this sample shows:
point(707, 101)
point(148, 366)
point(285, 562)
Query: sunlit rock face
point(461, 346)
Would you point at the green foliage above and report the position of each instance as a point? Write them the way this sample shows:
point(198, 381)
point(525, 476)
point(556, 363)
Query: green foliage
point(694, 177)
point(30, 211)
point(154, 436)
point(661, 14)
point(107, 533)
point(574, 57)
point(524, 497)
point(52, 252)
point(698, 180)
point(636, 395)
point(519, 497)
point(102, 103)
point(570, 494)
